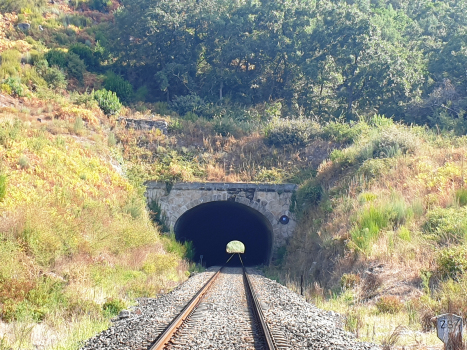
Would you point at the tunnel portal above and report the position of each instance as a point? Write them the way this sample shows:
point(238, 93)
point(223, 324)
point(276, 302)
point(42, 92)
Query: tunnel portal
point(211, 226)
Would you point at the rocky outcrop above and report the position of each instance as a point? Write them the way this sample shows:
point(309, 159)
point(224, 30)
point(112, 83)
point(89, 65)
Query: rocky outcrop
point(145, 124)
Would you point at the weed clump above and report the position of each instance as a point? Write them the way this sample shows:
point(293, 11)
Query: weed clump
point(13, 86)
point(461, 196)
point(292, 132)
point(309, 194)
point(452, 262)
point(389, 304)
point(446, 225)
point(353, 321)
point(112, 307)
point(393, 141)
point(23, 162)
point(78, 126)
point(350, 280)
point(343, 132)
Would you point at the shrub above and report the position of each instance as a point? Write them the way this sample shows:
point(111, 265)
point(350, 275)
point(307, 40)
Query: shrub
point(18, 5)
point(111, 141)
point(99, 5)
point(398, 211)
point(85, 99)
point(372, 168)
point(182, 250)
point(3, 185)
point(122, 88)
point(404, 234)
point(389, 304)
point(350, 280)
point(353, 320)
point(393, 141)
point(86, 54)
point(161, 108)
point(78, 126)
point(23, 162)
point(452, 262)
point(112, 307)
point(193, 117)
point(157, 216)
point(344, 157)
point(56, 58)
point(274, 175)
point(75, 67)
point(282, 132)
point(371, 284)
point(461, 196)
point(189, 103)
point(141, 93)
point(13, 84)
point(76, 20)
point(11, 63)
point(56, 78)
point(343, 132)
point(134, 207)
point(5, 89)
point(308, 194)
point(41, 66)
point(108, 101)
point(32, 77)
point(225, 126)
point(9, 131)
point(61, 38)
point(447, 224)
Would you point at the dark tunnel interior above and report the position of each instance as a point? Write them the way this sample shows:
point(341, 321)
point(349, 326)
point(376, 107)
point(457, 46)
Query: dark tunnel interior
point(211, 226)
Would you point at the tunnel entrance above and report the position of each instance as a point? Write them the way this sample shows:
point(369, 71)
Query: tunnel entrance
point(211, 226)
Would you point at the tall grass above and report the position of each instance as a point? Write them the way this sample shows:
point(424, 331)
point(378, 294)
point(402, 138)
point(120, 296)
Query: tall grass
point(368, 226)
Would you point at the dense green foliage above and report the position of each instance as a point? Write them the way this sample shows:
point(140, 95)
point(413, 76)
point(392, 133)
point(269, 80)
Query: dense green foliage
point(108, 101)
point(89, 57)
point(325, 58)
point(120, 86)
point(13, 86)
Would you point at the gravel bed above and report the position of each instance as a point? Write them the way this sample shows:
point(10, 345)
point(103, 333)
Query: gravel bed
point(223, 319)
point(138, 328)
point(302, 324)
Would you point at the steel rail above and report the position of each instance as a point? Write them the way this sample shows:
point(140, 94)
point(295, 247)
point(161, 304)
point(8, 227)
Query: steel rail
point(169, 332)
point(164, 339)
point(258, 311)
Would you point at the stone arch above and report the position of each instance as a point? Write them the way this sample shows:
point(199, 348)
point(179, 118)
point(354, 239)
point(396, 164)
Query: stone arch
point(221, 198)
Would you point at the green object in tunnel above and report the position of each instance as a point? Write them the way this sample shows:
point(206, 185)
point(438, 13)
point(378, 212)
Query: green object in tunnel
point(235, 247)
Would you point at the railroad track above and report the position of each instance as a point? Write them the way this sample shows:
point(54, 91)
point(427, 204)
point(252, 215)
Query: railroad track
point(225, 311)
point(224, 319)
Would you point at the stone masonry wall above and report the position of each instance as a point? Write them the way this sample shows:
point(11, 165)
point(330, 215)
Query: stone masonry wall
point(145, 124)
point(272, 201)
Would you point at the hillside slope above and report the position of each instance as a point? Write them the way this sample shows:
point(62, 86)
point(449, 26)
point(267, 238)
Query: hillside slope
point(382, 232)
point(77, 241)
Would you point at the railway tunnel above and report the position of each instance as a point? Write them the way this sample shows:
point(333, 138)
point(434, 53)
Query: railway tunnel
point(211, 226)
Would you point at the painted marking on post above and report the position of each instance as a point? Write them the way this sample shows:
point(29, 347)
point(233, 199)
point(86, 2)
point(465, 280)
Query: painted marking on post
point(449, 327)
